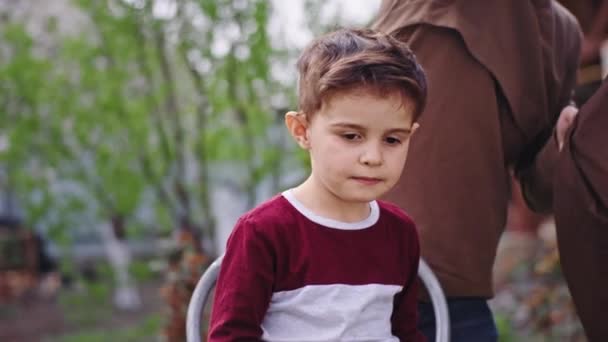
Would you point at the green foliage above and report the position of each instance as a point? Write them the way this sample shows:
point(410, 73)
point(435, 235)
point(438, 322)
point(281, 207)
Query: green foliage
point(78, 305)
point(505, 329)
point(127, 103)
point(146, 330)
point(141, 271)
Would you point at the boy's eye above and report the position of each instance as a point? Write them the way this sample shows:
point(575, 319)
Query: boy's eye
point(392, 141)
point(351, 136)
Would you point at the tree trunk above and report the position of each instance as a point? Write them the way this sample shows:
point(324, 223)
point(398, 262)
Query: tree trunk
point(126, 295)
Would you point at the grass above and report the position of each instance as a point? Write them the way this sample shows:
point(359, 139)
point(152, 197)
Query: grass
point(147, 330)
point(91, 316)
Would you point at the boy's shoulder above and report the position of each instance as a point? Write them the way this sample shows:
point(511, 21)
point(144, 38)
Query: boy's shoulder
point(270, 213)
point(392, 212)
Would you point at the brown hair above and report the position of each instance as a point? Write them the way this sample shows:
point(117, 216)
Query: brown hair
point(350, 59)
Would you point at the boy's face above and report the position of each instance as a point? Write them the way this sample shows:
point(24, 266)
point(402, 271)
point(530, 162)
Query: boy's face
point(358, 144)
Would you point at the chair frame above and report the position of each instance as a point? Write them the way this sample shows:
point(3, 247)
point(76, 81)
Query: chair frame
point(207, 282)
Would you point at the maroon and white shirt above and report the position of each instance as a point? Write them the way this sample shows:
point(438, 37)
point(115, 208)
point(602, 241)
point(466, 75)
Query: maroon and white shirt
point(291, 275)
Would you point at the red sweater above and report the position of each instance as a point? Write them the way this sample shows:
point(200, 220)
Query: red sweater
point(289, 274)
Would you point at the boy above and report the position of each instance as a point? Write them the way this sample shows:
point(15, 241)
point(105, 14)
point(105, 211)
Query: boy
point(325, 261)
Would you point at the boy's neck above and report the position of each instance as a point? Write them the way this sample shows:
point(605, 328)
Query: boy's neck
point(322, 202)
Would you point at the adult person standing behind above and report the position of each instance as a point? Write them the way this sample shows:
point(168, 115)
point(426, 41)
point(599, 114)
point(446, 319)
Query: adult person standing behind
point(523, 224)
point(499, 73)
point(581, 213)
point(592, 15)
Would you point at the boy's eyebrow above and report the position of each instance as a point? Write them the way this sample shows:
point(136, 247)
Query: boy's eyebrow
point(361, 128)
point(400, 130)
point(347, 125)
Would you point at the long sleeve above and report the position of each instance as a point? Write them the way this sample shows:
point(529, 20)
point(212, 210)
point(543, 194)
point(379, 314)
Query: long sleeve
point(537, 178)
point(244, 286)
point(405, 315)
point(581, 214)
point(589, 149)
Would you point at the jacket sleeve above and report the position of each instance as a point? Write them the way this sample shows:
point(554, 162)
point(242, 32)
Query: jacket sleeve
point(581, 214)
point(537, 176)
point(588, 151)
point(244, 286)
point(536, 179)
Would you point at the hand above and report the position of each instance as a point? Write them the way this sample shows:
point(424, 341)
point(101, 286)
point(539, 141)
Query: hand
point(566, 118)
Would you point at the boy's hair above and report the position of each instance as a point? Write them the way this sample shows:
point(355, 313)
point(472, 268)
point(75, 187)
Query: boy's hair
point(351, 59)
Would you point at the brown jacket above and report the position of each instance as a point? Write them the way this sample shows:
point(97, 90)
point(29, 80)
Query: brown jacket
point(581, 214)
point(499, 72)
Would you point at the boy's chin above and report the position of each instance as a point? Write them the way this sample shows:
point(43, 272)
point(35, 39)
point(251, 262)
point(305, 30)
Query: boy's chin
point(362, 197)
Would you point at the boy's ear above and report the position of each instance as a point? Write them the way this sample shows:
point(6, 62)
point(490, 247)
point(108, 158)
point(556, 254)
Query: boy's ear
point(297, 124)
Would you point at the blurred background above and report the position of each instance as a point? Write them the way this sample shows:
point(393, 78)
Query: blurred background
point(133, 133)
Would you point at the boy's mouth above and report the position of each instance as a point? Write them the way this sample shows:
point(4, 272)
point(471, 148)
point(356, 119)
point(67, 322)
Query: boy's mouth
point(367, 180)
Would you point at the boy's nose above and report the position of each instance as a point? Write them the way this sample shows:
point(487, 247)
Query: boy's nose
point(371, 156)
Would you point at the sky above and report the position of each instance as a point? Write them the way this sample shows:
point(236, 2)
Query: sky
point(289, 17)
point(290, 20)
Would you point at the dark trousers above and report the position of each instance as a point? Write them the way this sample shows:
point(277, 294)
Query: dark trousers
point(470, 320)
